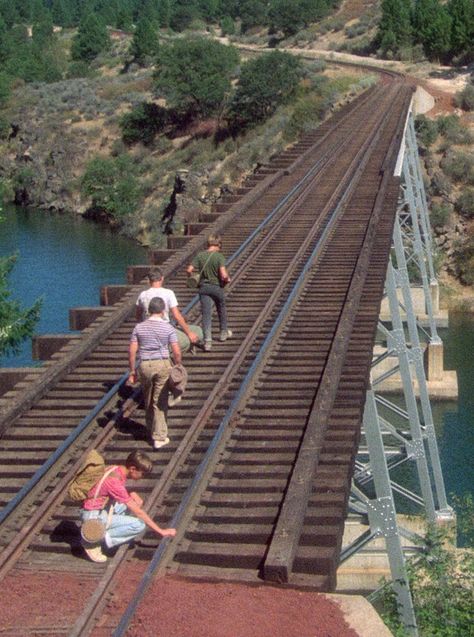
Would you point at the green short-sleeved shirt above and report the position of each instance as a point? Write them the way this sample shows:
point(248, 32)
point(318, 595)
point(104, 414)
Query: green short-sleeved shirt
point(208, 264)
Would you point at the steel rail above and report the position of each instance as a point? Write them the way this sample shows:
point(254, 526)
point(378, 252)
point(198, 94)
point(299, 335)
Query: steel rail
point(294, 194)
point(85, 622)
point(202, 473)
point(282, 549)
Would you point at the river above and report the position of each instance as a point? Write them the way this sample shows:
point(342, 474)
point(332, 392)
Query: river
point(65, 260)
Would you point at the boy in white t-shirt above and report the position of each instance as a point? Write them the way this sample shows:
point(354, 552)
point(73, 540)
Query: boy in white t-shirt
point(156, 289)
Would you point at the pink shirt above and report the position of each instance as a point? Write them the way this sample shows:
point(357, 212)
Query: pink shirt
point(112, 487)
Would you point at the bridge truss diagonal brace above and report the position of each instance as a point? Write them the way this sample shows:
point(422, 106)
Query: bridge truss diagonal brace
point(388, 444)
point(382, 515)
point(413, 219)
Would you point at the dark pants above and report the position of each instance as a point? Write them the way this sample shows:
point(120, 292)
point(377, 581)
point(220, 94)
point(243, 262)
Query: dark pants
point(209, 294)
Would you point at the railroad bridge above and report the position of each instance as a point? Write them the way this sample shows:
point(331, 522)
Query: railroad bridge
point(263, 463)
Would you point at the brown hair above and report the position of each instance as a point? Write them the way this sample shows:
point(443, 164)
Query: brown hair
point(214, 240)
point(140, 460)
point(155, 275)
point(156, 305)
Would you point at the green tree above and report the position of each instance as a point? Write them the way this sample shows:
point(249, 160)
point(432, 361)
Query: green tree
point(209, 9)
point(9, 13)
point(113, 185)
point(163, 12)
point(43, 33)
point(144, 42)
point(194, 74)
point(227, 25)
point(183, 12)
point(64, 13)
point(264, 84)
point(442, 587)
point(394, 30)
point(287, 15)
point(253, 13)
point(16, 324)
point(432, 26)
point(143, 123)
point(91, 39)
point(5, 88)
point(461, 13)
point(5, 41)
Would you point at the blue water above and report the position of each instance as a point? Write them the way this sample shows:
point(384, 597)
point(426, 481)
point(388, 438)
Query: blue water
point(455, 420)
point(64, 259)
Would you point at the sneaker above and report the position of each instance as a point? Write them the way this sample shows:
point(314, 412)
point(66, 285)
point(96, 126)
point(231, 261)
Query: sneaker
point(225, 334)
point(157, 444)
point(94, 553)
point(207, 346)
point(173, 400)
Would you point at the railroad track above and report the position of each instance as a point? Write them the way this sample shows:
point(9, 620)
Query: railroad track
point(258, 471)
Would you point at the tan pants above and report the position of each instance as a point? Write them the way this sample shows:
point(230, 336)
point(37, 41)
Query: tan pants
point(153, 376)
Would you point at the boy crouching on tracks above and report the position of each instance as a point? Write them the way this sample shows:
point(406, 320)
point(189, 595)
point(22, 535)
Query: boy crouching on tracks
point(111, 515)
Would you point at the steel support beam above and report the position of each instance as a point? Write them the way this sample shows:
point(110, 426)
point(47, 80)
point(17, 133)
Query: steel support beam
point(406, 434)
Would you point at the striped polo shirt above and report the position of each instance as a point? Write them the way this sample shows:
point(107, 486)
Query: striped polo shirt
point(154, 336)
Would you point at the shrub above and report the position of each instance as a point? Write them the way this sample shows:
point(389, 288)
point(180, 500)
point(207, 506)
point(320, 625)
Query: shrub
point(113, 185)
point(79, 68)
point(426, 130)
point(307, 113)
point(227, 26)
point(442, 586)
point(465, 203)
point(451, 128)
point(143, 123)
point(6, 191)
point(439, 215)
point(440, 185)
point(465, 98)
point(459, 167)
point(464, 261)
point(5, 127)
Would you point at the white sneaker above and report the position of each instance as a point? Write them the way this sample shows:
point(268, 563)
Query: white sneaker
point(225, 334)
point(94, 553)
point(173, 400)
point(207, 346)
point(157, 444)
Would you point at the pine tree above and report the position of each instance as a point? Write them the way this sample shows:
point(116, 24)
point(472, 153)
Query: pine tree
point(43, 32)
point(16, 324)
point(91, 39)
point(462, 27)
point(63, 13)
point(145, 41)
point(395, 26)
point(432, 26)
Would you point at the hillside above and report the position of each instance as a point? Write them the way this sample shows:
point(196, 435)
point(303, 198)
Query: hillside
point(62, 134)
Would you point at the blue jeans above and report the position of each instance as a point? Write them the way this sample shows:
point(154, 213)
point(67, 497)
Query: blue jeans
point(122, 527)
point(209, 294)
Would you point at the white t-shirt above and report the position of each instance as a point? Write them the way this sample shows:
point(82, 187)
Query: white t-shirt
point(168, 296)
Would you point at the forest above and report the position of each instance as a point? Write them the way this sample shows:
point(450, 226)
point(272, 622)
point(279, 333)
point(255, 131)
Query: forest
point(29, 48)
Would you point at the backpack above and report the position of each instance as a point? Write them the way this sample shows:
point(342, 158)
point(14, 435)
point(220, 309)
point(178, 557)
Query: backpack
point(88, 475)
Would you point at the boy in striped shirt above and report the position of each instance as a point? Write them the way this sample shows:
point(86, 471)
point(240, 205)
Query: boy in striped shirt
point(151, 341)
